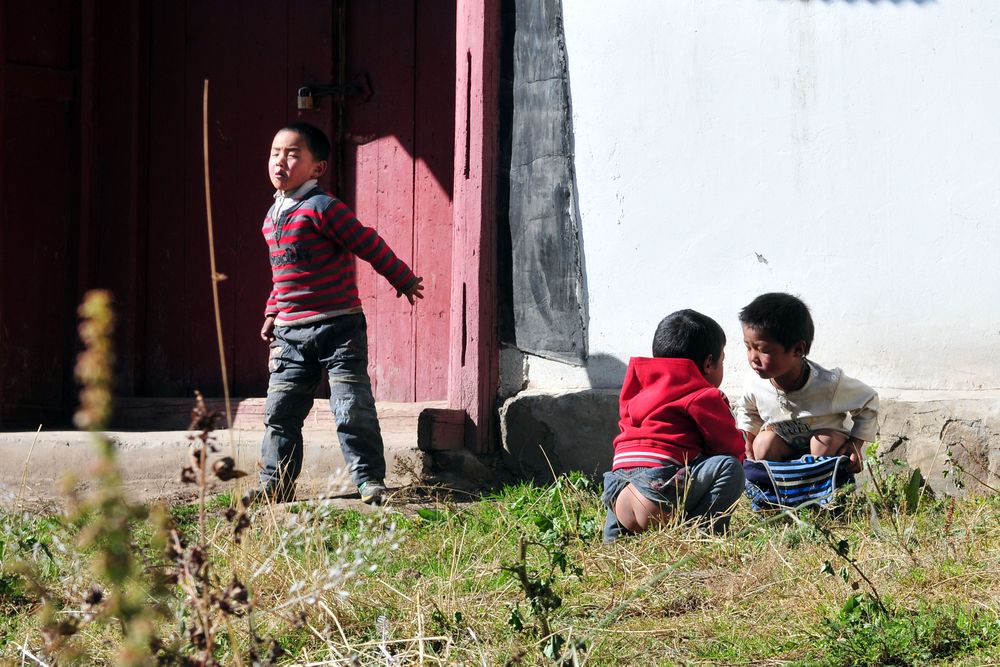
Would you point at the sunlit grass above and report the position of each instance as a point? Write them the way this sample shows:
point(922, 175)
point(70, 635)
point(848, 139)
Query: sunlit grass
point(403, 586)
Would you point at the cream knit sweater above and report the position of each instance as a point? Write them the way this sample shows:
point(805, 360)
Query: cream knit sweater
point(829, 400)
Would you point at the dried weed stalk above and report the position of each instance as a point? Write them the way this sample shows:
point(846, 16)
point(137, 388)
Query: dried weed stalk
point(127, 594)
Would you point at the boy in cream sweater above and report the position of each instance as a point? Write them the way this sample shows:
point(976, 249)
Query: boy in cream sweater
point(792, 406)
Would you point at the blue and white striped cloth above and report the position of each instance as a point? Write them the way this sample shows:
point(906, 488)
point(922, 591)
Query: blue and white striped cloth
point(785, 484)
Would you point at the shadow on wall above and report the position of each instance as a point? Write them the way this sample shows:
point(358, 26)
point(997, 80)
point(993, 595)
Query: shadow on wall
point(605, 371)
point(546, 434)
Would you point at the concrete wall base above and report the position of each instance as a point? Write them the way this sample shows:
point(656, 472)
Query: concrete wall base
point(150, 465)
point(955, 442)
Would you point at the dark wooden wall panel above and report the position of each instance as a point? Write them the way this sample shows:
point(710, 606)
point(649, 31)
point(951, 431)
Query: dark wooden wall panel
point(213, 33)
point(166, 372)
point(114, 203)
point(266, 78)
point(40, 33)
point(37, 210)
point(253, 70)
point(39, 151)
point(4, 298)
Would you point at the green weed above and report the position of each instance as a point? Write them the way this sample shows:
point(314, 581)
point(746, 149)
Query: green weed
point(866, 633)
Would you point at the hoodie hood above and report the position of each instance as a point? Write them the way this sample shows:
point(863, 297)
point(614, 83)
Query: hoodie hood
point(670, 414)
point(651, 382)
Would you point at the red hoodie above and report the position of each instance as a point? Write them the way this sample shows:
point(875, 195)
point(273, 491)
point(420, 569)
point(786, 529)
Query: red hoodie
point(671, 414)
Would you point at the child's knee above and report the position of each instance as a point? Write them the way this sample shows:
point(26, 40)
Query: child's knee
point(732, 475)
point(768, 446)
point(827, 442)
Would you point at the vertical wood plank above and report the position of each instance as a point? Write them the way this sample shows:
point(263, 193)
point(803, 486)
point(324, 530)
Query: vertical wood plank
point(394, 363)
point(434, 127)
point(165, 370)
point(4, 350)
point(262, 90)
point(87, 237)
point(383, 179)
point(113, 244)
point(40, 131)
point(214, 31)
point(473, 370)
point(362, 121)
point(311, 58)
point(36, 266)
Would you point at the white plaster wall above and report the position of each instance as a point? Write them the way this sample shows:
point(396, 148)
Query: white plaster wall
point(847, 151)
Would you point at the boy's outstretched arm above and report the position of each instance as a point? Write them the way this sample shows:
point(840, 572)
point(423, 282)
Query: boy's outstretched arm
point(413, 292)
point(339, 223)
point(712, 417)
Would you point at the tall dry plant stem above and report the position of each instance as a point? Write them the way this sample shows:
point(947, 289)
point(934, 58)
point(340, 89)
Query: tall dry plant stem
point(216, 277)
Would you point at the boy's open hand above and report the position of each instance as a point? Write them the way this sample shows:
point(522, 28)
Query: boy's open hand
point(267, 331)
point(416, 291)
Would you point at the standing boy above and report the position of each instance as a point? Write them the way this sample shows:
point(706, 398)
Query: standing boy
point(313, 321)
point(793, 406)
point(678, 447)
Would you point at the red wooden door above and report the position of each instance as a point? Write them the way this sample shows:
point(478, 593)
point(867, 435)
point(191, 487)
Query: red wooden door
point(39, 187)
point(255, 55)
point(399, 180)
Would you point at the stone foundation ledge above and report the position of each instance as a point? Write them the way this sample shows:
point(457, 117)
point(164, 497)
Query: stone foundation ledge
point(949, 436)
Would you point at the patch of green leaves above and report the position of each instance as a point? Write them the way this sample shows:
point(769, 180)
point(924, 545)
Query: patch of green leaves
point(864, 632)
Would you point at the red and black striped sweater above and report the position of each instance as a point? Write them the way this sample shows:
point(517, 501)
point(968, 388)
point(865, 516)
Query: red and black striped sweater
point(311, 244)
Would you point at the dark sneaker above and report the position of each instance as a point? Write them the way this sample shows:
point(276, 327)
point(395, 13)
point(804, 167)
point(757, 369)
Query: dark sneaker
point(270, 494)
point(372, 491)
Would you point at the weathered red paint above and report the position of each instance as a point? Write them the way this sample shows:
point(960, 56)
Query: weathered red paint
point(474, 349)
point(400, 146)
point(433, 180)
point(384, 200)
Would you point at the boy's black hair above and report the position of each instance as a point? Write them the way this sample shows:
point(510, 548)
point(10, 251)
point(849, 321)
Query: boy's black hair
point(687, 334)
point(780, 316)
point(316, 139)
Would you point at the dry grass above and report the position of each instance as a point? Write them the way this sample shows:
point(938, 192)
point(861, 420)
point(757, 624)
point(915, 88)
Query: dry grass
point(343, 587)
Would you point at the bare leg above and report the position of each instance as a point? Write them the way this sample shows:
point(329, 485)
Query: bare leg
point(636, 512)
point(827, 442)
point(768, 446)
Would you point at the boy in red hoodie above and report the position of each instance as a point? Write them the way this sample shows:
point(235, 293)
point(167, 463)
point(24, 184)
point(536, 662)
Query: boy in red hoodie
point(678, 449)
